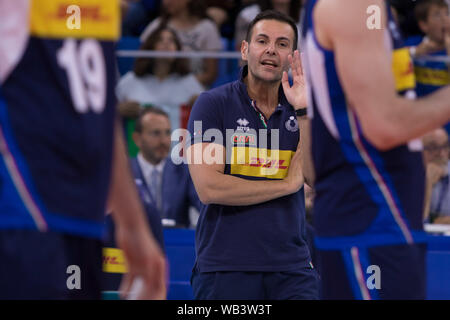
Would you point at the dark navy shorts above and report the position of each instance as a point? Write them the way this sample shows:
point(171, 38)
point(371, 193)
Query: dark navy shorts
point(385, 272)
point(36, 265)
point(293, 285)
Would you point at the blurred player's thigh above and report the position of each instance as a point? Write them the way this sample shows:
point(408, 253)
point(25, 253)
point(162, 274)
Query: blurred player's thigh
point(382, 272)
point(38, 265)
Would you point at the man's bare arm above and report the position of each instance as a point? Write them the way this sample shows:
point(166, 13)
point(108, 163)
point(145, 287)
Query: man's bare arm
point(143, 255)
point(364, 67)
point(213, 186)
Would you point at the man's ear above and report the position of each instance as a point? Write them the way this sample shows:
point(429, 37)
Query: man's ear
point(423, 26)
point(244, 50)
point(137, 139)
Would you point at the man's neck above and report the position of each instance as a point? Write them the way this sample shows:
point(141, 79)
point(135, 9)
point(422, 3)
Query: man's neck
point(265, 94)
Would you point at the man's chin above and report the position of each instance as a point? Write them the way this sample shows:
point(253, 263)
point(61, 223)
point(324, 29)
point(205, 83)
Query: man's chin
point(270, 78)
point(161, 156)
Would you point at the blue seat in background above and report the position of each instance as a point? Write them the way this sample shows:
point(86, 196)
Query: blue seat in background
point(438, 268)
point(180, 251)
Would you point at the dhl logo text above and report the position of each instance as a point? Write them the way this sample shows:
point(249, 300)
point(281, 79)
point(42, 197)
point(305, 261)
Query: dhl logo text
point(266, 163)
point(92, 12)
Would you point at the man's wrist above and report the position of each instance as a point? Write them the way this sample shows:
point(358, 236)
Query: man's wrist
point(302, 112)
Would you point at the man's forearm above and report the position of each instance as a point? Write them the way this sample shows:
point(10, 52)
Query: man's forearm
point(224, 189)
point(233, 191)
point(404, 119)
point(425, 114)
point(123, 198)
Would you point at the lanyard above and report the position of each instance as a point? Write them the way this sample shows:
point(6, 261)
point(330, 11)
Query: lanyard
point(261, 116)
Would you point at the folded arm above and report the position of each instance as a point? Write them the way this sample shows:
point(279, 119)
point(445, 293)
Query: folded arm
point(214, 186)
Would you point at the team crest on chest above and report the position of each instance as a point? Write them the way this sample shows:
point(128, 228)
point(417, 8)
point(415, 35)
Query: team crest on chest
point(291, 124)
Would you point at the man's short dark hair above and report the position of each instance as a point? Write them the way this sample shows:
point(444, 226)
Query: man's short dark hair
point(422, 8)
point(144, 112)
point(273, 15)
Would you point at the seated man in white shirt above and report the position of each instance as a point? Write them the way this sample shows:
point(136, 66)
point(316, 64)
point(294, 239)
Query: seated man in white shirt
point(167, 185)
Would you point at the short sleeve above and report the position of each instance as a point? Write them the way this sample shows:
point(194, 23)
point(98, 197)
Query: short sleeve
point(206, 115)
point(194, 85)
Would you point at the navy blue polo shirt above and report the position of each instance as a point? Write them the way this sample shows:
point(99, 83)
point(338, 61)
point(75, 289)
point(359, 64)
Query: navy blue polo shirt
point(269, 236)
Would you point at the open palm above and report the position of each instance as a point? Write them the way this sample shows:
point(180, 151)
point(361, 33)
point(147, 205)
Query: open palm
point(295, 94)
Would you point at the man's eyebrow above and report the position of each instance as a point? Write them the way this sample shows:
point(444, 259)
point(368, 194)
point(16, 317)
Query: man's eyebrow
point(266, 36)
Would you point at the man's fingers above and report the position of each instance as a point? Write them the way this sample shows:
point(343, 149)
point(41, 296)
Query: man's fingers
point(292, 65)
point(298, 62)
point(125, 285)
point(155, 281)
point(285, 81)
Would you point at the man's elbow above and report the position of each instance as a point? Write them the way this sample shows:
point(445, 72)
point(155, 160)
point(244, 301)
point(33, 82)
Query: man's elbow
point(205, 198)
point(205, 194)
point(383, 138)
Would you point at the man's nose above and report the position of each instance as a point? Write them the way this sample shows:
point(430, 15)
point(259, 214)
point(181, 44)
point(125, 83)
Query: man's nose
point(270, 49)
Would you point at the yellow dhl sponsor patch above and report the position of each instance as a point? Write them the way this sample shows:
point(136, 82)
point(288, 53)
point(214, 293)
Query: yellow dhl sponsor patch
point(432, 77)
point(114, 261)
point(403, 69)
point(259, 162)
point(98, 19)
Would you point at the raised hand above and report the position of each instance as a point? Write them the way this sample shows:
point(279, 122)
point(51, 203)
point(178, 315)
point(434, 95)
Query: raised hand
point(295, 94)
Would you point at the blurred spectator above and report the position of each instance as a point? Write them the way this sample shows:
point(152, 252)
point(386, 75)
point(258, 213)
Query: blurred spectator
point(167, 186)
point(218, 11)
point(137, 14)
point(434, 20)
point(224, 13)
point(164, 82)
point(405, 15)
point(437, 200)
point(195, 30)
point(290, 7)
